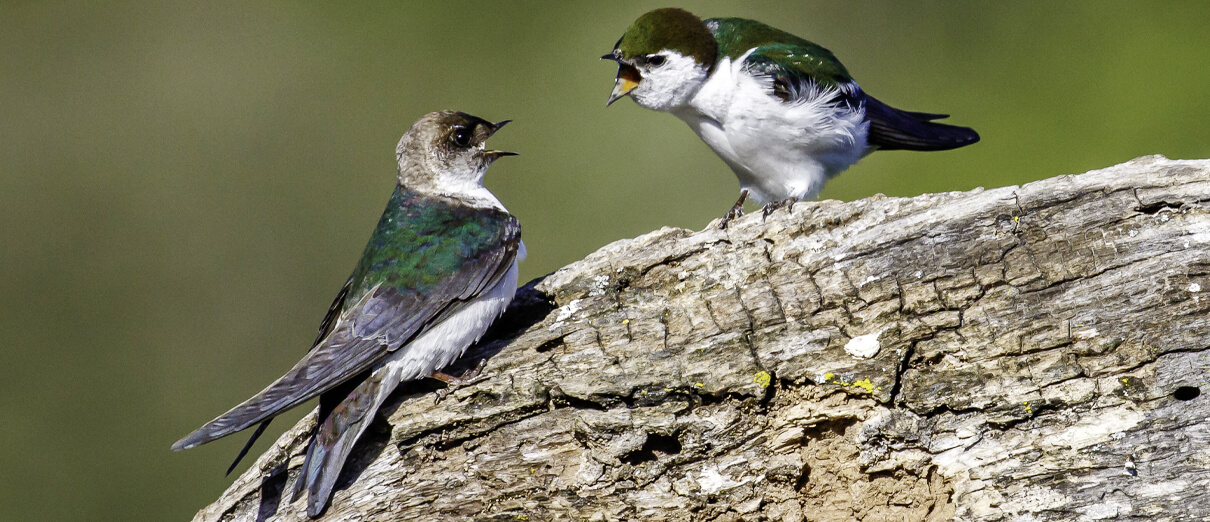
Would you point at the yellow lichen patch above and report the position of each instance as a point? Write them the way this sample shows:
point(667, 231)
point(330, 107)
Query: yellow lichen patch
point(864, 384)
point(1027, 408)
point(763, 379)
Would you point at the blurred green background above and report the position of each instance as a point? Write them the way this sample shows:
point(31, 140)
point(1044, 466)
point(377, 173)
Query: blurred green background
point(184, 186)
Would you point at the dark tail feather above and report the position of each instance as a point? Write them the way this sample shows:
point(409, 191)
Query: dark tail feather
point(893, 129)
point(926, 116)
point(333, 440)
point(300, 484)
point(248, 445)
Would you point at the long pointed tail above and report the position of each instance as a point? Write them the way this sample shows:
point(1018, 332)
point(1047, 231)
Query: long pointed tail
point(893, 129)
point(334, 439)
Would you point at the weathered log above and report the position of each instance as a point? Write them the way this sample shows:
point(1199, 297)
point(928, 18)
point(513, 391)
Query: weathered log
point(1029, 352)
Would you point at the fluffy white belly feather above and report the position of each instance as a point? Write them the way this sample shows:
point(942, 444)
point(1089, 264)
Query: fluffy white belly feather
point(778, 150)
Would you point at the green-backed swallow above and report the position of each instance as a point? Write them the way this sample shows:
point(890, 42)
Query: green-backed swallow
point(439, 268)
point(782, 112)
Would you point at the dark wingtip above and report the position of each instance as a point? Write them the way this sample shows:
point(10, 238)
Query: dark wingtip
point(926, 116)
point(202, 435)
point(894, 129)
point(974, 136)
point(248, 445)
point(959, 136)
point(191, 440)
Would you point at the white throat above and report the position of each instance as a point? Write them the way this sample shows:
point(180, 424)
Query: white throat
point(473, 193)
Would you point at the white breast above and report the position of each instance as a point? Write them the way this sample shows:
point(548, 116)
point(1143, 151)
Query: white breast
point(778, 150)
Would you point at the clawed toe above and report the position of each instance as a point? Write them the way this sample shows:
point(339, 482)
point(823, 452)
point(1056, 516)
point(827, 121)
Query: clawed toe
point(453, 383)
point(737, 210)
point(787, 203)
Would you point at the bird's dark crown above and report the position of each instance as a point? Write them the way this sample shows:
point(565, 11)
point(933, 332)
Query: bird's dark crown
point(671, 29)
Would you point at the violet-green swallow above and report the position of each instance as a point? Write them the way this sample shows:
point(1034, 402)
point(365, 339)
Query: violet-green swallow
point(781, 111)
point(439, 268)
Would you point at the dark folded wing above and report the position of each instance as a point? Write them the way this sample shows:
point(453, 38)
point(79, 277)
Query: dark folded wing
point(893, 129)
point(800, 71)
point(325, 328)
point(381, 321)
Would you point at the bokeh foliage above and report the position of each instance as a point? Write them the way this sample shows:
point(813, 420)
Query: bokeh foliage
point(184, 186)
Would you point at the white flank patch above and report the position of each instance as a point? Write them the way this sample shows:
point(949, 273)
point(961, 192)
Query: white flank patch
point(863, 346)
point(438, 346)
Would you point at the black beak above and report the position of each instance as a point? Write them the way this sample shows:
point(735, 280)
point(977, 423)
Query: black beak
point(499, 125)
point(614, 55)
point(494, 155)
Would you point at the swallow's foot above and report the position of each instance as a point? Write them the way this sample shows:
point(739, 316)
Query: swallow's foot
point(453, 383)
point(737, 210)
point(787, 204)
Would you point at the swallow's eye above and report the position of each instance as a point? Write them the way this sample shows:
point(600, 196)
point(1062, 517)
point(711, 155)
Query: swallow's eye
point(462, 136)
point(656, 60)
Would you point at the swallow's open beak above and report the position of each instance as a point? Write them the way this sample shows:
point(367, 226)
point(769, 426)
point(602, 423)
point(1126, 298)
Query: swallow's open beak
point(497, 126)
point(628, 77)
point(493, 155)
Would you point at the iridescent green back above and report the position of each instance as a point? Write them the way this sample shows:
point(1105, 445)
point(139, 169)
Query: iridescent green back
point(422, 240)
point(777, 52)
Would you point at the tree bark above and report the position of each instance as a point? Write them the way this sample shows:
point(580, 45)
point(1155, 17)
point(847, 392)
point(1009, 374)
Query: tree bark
point(1029, 353)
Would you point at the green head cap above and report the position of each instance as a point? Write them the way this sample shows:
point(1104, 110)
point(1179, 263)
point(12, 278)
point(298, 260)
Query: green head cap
point(669, 28)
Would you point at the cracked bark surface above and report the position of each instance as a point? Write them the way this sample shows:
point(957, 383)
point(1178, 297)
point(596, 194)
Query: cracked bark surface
point(1018, 353)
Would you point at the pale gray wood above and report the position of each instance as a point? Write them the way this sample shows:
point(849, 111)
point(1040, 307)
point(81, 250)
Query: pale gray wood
point(1006, 354)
